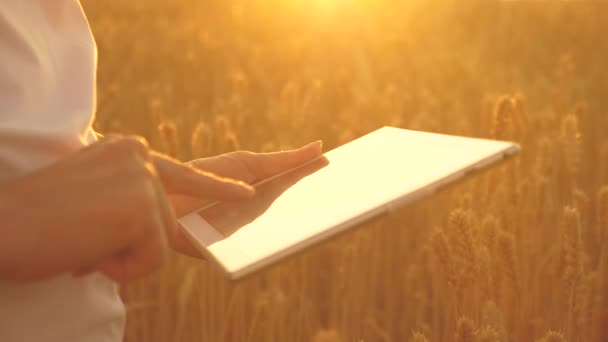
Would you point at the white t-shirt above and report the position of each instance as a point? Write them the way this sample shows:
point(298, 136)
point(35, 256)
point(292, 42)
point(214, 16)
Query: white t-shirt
point(47, 101)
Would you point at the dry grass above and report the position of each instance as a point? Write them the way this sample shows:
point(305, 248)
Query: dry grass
point(519, 253)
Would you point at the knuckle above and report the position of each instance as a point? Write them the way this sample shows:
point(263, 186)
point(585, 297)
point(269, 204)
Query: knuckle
point(137, 176)
point(145, 173)
point(129, 147)
point(134, 144)
point(138, 170)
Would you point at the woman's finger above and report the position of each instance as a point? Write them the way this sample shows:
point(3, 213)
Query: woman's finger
point(182, 179)
point(264, 165)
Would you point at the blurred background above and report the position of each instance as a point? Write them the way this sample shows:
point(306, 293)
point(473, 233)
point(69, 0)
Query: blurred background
point(516, 254)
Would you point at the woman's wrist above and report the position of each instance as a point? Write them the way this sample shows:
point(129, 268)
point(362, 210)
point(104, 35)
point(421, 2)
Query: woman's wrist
point(15, 239)
point(8, 233)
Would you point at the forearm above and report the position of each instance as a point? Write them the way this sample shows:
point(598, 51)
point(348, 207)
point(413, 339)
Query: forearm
point(16, 237)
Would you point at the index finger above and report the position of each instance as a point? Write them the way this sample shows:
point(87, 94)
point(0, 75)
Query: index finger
point(178, 178)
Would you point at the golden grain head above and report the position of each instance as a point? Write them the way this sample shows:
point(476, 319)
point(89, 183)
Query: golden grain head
point(572, 247)
point(465, 330)
point(460, 221)
point(466, 202)
point(489, 230)
point(502, 118)
point(168, 130)
point(492, 316)
point(221, 125)
point(230, 142)
point(460, 234)
point(200, 141)
point(168, 133)
point(418, 337)
point(441, 249)
point(507, 257)
point(327, 335)
point(570, 129)
point(520, 116)
point(571, 140)
point(487, 334)
point(582, 202)
point(553, 336)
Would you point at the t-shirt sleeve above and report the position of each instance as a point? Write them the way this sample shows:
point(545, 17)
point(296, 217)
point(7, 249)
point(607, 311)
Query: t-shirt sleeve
point(42, 117)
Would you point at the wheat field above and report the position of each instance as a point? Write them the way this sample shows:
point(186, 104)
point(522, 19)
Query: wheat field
point(518, 253)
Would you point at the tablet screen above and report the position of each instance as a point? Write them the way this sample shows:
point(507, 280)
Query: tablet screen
point(347, 185)
point(228, 217)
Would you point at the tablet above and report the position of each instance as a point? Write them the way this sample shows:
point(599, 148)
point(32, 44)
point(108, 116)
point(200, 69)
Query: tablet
point(355, 182)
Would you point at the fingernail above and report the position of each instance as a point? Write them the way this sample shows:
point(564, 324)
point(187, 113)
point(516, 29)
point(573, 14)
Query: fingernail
point(319, 144)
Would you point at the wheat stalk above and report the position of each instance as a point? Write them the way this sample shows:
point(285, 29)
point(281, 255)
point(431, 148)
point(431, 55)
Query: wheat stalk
point(602, 214)
point(506, 255)
point(571, 140)
point(572, 247)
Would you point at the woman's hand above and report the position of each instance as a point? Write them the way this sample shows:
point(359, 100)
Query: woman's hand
point(103, 208)
point(245, 166)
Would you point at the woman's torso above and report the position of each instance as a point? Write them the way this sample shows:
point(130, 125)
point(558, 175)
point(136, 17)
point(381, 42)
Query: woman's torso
point(47, 101)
